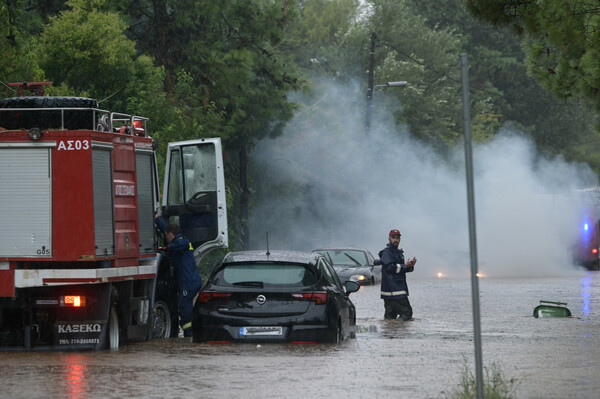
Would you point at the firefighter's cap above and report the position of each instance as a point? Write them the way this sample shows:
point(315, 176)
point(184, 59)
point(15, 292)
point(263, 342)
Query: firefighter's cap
point(395, 232)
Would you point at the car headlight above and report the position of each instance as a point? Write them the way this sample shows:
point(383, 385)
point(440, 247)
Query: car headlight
point(358, 278)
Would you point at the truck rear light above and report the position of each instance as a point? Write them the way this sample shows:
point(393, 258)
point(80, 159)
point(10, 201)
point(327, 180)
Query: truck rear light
point(204, 297)
point(74, 301)
point(318, 297)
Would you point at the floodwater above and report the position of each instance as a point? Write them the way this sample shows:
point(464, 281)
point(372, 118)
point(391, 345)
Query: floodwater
point(423, 358)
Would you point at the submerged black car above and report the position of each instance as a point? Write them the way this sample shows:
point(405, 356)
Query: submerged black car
point(276, 296)
point(353, 264)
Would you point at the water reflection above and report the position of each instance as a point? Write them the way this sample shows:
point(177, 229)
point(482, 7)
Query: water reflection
point(586, 294)
point(75, 373)
point(553, 357)
point(392, 329)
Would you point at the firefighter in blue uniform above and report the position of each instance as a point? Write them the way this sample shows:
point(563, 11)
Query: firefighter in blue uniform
point(394, 290)
point(189, 281)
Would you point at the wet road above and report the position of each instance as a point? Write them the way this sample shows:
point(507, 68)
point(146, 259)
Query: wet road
point(552, 358)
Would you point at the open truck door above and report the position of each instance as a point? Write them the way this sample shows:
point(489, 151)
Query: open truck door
point(194, 193)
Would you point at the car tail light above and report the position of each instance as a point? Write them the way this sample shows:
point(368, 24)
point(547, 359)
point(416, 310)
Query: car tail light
point(318, 297)
point(74, 301)
point(204, 297)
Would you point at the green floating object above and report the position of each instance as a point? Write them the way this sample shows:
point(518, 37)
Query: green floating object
point(551, 309)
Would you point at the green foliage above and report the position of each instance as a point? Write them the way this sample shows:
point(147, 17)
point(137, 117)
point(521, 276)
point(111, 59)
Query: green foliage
point(17, 63)
point(84, 51)
point(314, 37)
point(495, 384)
point(407, 49)
point(206, 68)
point(224, 70)
point(562, 41)
point(228, 53)
point(502, 91)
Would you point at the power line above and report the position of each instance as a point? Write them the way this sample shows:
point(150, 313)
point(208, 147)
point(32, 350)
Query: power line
point(8, 87)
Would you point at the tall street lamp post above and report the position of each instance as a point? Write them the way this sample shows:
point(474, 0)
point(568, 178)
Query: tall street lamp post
point(370, 92)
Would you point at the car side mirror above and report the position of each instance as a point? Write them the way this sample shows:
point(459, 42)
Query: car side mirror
point(351, 286)
point(377, 262)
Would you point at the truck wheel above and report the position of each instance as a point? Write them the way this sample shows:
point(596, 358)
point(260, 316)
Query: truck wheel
point(162, 321)
point(113, 329)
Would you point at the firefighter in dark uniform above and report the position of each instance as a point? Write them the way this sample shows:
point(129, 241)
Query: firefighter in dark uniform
point(394, 290)
point(189, 281)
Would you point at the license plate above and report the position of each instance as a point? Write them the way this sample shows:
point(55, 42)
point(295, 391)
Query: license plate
point(261, 330)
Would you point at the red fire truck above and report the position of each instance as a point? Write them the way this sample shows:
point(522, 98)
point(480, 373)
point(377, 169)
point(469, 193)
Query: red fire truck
point(79, 256)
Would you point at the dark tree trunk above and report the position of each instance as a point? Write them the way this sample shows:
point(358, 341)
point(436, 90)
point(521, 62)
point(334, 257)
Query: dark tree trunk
point(244, 196)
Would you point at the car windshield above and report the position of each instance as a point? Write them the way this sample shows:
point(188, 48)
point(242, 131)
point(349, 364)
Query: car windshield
point(344, 257)
point(265, 274)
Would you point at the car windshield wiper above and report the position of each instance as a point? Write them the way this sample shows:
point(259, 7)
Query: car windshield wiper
point(259, 284)
point(353, 260)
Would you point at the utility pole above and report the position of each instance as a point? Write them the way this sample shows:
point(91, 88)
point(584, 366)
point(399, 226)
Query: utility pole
point(370, 84)
point(472, 230)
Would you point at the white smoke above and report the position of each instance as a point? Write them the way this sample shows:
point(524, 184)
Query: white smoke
point(327, 183)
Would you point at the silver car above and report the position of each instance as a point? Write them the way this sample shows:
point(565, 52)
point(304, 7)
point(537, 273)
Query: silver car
point(353, 264)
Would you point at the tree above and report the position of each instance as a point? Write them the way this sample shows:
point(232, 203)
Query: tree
point(17, 63)
point(84, 50)
point(407, 49)
point(229, 53)
point(498, 74)
point(562, 40)
point(314, 37)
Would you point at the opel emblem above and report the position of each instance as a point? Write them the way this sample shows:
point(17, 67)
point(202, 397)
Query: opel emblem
point(261, 299)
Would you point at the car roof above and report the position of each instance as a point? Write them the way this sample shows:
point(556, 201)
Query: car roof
point(290, 256)
point(341, 249)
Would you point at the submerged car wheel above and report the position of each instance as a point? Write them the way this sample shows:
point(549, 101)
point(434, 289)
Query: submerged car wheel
point(338, 337)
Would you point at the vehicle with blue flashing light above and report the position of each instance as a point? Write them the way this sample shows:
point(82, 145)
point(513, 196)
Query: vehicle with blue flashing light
point(585, 250)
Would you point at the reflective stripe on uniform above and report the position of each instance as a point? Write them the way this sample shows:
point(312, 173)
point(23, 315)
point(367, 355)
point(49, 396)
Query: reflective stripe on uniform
point(393, 293)
point(398, 267)
point(186, 325)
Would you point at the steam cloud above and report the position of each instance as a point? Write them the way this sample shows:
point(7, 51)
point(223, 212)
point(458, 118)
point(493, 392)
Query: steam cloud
point(325, 183)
